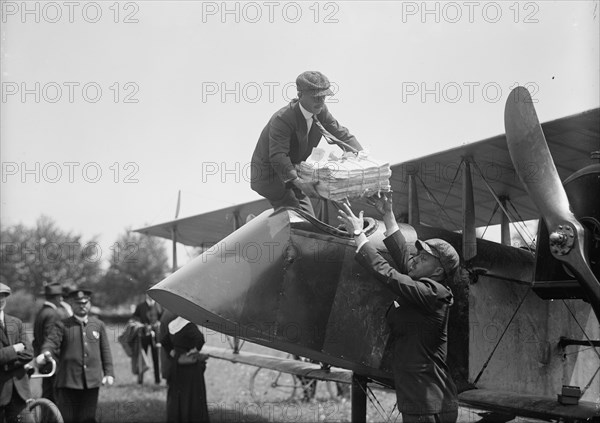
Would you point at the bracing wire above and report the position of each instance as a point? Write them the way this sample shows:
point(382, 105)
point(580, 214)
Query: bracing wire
point(453, 180)
point(490, 220)
point(499, 203)
point(520, 219)
point(588, 339)
point(501, 336)
point(432, 197)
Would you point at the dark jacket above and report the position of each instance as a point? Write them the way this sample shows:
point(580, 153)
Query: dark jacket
point(141, 312)
point(46, 318)
point(285, 142)
point(82, 351)
point(12, 371)
point(419, 324)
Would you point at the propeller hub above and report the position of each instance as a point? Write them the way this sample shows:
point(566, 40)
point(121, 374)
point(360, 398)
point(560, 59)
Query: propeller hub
point(562, 240)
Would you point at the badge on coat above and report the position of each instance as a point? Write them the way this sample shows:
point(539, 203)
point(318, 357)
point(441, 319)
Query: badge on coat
point(96, 334)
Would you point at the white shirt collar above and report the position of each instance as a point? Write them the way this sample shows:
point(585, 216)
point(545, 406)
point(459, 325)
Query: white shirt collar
point(2, 316)
point(48, 303)
point(307, 115)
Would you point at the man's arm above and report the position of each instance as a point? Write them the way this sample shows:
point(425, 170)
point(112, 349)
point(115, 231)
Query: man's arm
point(105, 354)
point(340, 132)
point(8, 354)
point(280, 135)
point(400, 284)
point(396, 245)
point(25, 356)
point(53, 342)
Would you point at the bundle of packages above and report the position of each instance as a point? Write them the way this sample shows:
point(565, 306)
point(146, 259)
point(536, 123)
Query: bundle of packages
point(348, 176)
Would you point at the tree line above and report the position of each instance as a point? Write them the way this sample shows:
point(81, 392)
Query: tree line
point(33, 256)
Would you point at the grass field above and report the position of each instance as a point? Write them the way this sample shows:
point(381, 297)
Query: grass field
point(229, 398)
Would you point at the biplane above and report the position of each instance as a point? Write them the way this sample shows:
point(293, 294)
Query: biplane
point(525, 323)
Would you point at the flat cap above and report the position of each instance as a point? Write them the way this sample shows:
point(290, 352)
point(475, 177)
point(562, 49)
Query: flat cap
point(313, 83)
point(441, 249)
point(4, 289)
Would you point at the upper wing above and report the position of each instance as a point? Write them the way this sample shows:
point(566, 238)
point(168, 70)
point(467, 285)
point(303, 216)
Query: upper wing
point(439, 181)
point(206, 229)
point(571, 140)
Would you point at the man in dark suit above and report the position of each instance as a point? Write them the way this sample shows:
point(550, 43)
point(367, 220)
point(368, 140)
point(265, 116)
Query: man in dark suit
point(289, 138)
point(80, 345)
point(418, 318)
point(48, 316)
point(148, 313)
point(15, 352)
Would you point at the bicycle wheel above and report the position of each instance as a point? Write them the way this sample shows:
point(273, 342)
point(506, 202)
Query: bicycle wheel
point(268, 385)
point(44, 411)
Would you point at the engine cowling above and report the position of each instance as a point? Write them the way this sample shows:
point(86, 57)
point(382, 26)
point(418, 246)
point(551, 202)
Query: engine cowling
point(553, 280)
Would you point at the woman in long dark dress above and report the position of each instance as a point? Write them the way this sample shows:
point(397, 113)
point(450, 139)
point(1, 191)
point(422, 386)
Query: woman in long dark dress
point(186, 395)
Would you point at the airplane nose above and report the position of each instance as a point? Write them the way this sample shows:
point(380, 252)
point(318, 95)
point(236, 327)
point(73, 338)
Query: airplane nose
point(283, 282)
point(229, 281)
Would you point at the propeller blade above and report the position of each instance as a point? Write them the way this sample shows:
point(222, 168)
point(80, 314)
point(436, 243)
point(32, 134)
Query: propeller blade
point(530, 154)
point(533, 163)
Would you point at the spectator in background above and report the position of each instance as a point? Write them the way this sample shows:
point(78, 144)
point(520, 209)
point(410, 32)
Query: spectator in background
point(165, 359)
point(15, 352)
point(148, 313)
point(186, 395)
point(81, 347)
point(65, 309)
point(48, 316)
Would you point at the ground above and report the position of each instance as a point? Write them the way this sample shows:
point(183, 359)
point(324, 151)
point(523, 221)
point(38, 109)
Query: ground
point(229, 398)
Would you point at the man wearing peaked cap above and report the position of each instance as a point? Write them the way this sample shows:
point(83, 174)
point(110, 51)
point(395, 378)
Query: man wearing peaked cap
point(418, 318)
point(48, 316)
point(289, 138)
point(80, 344)
point(15, 352)
point(79, 294)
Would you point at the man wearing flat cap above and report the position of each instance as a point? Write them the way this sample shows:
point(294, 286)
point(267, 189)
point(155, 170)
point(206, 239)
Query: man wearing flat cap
point(80, 345)
point(418, 318)
point(289, 138)
point(15, 352)
point(48, 316)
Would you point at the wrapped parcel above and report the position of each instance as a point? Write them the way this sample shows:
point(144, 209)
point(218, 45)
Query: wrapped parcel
point(348, 176)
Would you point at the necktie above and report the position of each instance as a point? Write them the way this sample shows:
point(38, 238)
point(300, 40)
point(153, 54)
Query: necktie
point(332, 139)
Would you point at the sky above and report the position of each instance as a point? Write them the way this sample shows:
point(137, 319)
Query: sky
point(110, 108)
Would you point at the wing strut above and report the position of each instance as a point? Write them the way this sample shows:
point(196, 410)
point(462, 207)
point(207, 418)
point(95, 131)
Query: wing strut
point(469, 239)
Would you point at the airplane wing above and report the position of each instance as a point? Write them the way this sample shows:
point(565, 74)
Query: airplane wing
point(206, 229)
point(286, 365)
point(571, 140)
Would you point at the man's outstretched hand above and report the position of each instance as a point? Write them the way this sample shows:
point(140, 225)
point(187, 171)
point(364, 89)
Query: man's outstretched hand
point(306, 186)
point(382, 202)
